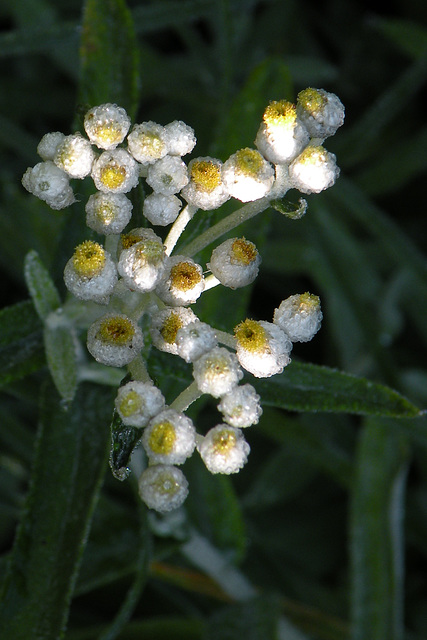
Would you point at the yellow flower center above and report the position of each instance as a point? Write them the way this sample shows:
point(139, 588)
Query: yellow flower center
point(149, 252)
point(308, 302)
point(106, 213)
point(112, 176)
point(108, 133)
point(312, 156)
point(280, 113)
point(170, 328)
point(311, 100)
point(88, 259)
point(251, 336)
point(130, 404)
point(206, 175)
point(224, 441)
point(184, 276)
point(162, 438)
point(166, 484)
point(249, 162)
point(116, 331)
point(127, 240)
point(243, 252)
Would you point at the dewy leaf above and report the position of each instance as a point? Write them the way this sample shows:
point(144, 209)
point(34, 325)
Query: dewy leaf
point(376, 525)
point(69, 466)
point(41, 287)
point(21, 342)
point(109, 55)
point(60, 346)
point(292, 210)
point(123, 441)
point(309, 387)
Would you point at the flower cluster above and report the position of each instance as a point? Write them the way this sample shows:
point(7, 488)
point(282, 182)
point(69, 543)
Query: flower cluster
point(135, 273)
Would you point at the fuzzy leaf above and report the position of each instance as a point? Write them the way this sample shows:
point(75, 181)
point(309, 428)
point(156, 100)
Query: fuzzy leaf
point(43, 292)
point(61, 355)
point(309, 387)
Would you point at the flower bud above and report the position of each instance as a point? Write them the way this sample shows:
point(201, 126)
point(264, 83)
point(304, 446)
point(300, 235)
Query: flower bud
point(147, 142)
point(91, 273)
point(114, 340)
point(247, 175)
point(224, 449)
point(281, 135)
point(142, 264)
point(205, 189)
point(194, 340)
point(313, 170)
point(321, 112)
point(170, 438)
point(217, 372)
point(262, 348)
point(161, 210)
point(180, 138)
point(165, 325)
point(241, 407)
point(108, 213)
point(49, 183)
point(182, 282)
point(167, 176)
point(75, 156)
point(106, 126)
point(235, 262)
point(138, 402)
point(48, 145)
point(163, 487)
point(299, 316)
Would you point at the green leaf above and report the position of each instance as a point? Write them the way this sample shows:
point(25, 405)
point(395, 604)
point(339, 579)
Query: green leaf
point(43, 292)
point(309, 387)
point(109, 55)
point(60, 345)
point(290, 209)
point(410, 37)
point(70, 461)
point(376, 526)
point(21, 342)
point(257, 619)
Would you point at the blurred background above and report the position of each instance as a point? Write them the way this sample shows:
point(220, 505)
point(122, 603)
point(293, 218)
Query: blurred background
point(326, 527)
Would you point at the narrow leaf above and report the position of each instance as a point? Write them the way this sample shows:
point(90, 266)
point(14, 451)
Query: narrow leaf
point(60, 348)
point(69, 465)
point(309, 387)
point(21, 342)
point(123, 441)
point(109, 55)
point(377, 534)
point(290, 209)
point(43, 292)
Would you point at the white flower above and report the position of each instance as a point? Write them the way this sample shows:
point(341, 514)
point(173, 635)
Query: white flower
point(247, 175)
point(313, 170)
point(147, 142)
point(106, 126)
point(180, 138)
point(241, 407)
point(235, 262)
point(165, 325)
point(75, 156)
point(182, 282)
point(141, 265)
point(281, 136)
point(194, 340)
point(217, 372)
point(163, 487)
point(299, 316)
point(205, 189)
point(170, 438)
point(262, 348)
point(91, 273)
point(161, 210)
point(224, 449)
point(167, 176)
point(48, 145)
point(138, 402)
point(321, 112)
point(49, 183)
point(114, 340)
point(115, 171)
point(108, 213)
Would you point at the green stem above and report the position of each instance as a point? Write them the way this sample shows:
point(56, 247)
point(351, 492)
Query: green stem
point(178, 227)
point(186, 397)
point(138, 369)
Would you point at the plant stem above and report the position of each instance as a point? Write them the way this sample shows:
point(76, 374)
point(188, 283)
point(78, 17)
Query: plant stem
point(186, 397)
point(178, 227)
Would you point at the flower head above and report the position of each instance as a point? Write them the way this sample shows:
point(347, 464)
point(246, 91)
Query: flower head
point(170, 438)
point(165, 325)
point(262, 348)
point(141, 265)
point(217, 372)
point(75, 156)
point(241, 406)
point(206, 189)
point(281, 135)
point(163, 487)
point(160, 209)
point(106, 126)
point(321, 112)
point(194, 340)
point(91, 273)
point(224, 449)
point(114, 340)
point(138, 402)
point(115, 171)
point(108, 213)
point(247, 175)
point(180, 138)
point(235, 262)
point(299, 316)
point(167, 176)
point(49, 183)
point(182, 283)
point(313, 170)
point(147, 142)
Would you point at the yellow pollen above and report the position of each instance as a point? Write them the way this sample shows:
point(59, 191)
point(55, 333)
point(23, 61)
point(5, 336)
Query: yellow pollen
point(308, 301)
point(311, 100)
point(170, 328)
point(162, 438)
point(251, 336)
point(113, 176)
point(149, 251)
point(106, 213)
point(312, 156)
point(88, 259)
point(280, 113)
point(206, 175)
point(127, 240)
point(166, 484)
point(108, 133)
point(249, 162)
point(243, 252)
point(224, 441)
point(130, 404)
point(184, 276)
point(116, 331)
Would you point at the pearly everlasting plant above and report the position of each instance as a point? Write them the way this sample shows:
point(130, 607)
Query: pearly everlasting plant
point(137, 290)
